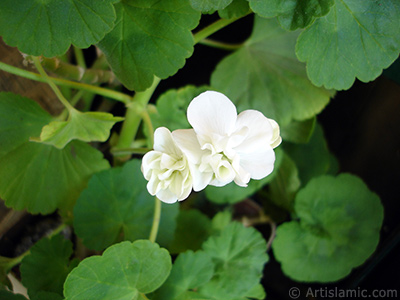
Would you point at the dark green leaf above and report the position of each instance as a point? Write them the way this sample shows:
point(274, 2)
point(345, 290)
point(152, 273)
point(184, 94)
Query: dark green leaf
point(339, 226)
point(47, 296)
point(239, 264)
point(193, 228)
point(209, 5)
point(123, 272)
point(266, 75)
point(190, 271)
point(298, 131)
point(5, 295)
point(292, 14)
point(236, 9)
point(48, 27)
point(38, 177)
point(47, 266)
point(87, 127)
point(358, 38)
point(117, 202)
point(150, 38)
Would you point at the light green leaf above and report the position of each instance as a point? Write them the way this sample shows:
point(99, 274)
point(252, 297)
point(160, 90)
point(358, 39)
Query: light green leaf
point(221, 220)
point(209, 5)
point(172, 105)
point(312, 159)
point(48, 27)
point(190, 271)
point(239, 254)
point(87, 127)
point(339, 226)
point(47, 266)
point(266, 75)
point(298, 131)
point(358, 38)
point(150, 38)
point(117, 202)
point(237, 9)
point(38, 177)
point(121, 273)
point(232, 193)
point(193, 228)
point(6, 295)
point(257, 292)
point(286, 183)
point(292, 14)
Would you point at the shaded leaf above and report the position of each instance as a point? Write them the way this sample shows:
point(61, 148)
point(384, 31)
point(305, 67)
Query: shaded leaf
point(298, 131)
point(209, 5)
point(339, 226)
point(87, 127)
point(121, 273)
point(117, 202)
point(38, 177)
point(6, 295)
point(50, 27)
point(236, 9)
point(357, 38)
point(149, 38)
point(266, 75)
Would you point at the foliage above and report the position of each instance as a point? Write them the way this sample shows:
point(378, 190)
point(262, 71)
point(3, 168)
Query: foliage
point(86, 168)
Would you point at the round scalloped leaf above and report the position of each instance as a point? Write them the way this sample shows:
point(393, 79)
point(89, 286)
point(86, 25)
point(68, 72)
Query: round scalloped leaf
point(190, 271)
point(339, 226)
point(292, 14)
point(36, 177)
point(265, 75)
point(48, 27)
point(239, 254)
point(47, 266)
point(150, 38)
point(123, 272)
point(237, 9)
point(209, 5)
point(358, 38)
point(86, 127)
point(116, 201)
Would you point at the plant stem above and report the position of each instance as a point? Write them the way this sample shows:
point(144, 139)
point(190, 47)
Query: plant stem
point(147, 120)
point(156, 220)
point(128, 151)
point(55, 88)
point(133, 116)
point(212, 28)
point(63, 82)
point(220, 45)
point(80, 59)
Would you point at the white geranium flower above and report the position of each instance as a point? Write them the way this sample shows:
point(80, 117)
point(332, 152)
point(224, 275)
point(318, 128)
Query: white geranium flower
point(223, 146)
point(166, 168)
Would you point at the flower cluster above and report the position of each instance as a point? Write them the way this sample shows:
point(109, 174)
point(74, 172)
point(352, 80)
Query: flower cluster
point(222, 147)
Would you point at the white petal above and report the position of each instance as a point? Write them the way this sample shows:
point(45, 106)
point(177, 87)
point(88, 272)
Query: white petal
point(163, 142)
point(167, 196)
point(200, 179)
point(260, 164)
point(276, 138)
point(212, 112)
point(260, 132)
point(186, 140)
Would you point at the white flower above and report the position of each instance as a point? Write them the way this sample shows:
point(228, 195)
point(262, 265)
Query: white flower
point(166, 168)
point(223, 146)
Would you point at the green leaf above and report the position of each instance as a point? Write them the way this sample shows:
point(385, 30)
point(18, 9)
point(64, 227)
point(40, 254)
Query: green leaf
point(298, 131)
point(257, 292)
point(237, 9)
point(286, 183)
point(190, 271)
point(47, 296)
point(6, 295)
point(172, 105)
point(193, 228)
point(47, 265)
point(292, 14)
point(221, 220)
point(121, 273)
point(232, 193)
point(38, 177)
point(150, 38)
point(339, 226)
point(87, 127)
point(117, 202)
point(357, 38)
point(209, 5)
point(266, 75)
point(312, 159)
point(239, 254)
point(48, 27)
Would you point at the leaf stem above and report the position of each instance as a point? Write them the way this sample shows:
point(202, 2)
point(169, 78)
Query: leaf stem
point(80, 59)
point(220, 45)
point(128, 151)
point(156, 220)
point(212, 28)
point(63, 82)
point(147, 120)
point(55, 88)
